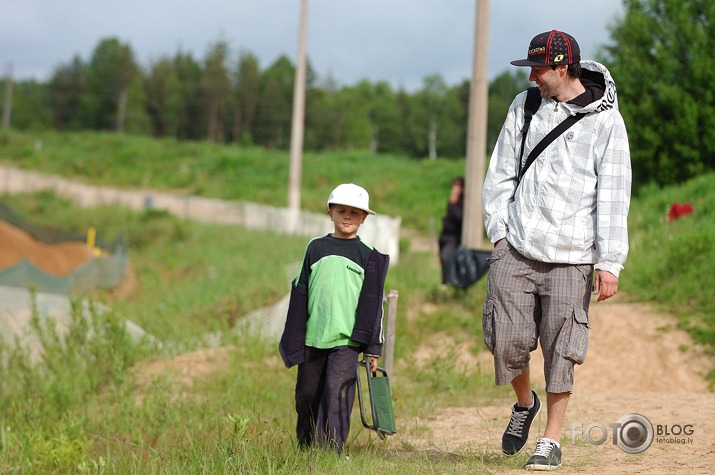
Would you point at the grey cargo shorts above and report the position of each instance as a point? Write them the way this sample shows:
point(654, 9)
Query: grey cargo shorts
point(529, 301)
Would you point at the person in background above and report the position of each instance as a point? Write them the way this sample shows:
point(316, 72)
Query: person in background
point(451, 235)
point(334, 314)
point(564, 217)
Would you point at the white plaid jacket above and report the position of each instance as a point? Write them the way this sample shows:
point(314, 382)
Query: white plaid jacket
point(572, 204)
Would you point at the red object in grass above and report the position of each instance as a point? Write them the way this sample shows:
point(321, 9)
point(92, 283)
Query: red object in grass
point(679, 210)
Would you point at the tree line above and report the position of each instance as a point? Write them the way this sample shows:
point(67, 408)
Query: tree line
point(233, 100)
point(659, 56)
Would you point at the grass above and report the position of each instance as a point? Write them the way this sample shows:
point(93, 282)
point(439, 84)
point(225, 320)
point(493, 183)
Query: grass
point(414, 189)
point(111, 405)
point(87, 408)
point(671, 262)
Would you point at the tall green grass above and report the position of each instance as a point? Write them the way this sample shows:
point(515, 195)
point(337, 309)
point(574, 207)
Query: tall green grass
point(97, 414)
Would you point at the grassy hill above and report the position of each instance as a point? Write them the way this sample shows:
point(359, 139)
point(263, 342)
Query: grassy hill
point(668, 261)
point(414, 189)
point(106, 404)
point(671, 262)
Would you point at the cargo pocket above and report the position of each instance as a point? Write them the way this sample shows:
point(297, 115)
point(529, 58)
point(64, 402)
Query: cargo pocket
point(488, 324)
point(574, 344)
point(499, 251)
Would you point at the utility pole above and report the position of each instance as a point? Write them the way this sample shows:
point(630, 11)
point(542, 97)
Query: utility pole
point(296, 139)
point(7, 103)
point(473, 225)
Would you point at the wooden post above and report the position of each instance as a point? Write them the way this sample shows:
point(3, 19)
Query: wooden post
point(7, 103)
point(473, 228)
point(388, 350)
point(296, 141)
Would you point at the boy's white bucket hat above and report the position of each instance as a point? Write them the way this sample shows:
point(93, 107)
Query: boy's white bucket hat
point(349, 194)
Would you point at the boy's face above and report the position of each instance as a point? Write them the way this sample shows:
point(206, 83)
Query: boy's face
point(346, 220)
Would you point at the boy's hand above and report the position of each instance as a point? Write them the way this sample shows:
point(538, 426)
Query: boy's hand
point(373, 363)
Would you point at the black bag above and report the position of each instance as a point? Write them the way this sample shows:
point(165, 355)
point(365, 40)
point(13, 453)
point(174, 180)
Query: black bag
point(467, 266)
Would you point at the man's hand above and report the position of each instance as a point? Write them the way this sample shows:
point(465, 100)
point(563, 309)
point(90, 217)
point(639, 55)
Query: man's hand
point(605, 285)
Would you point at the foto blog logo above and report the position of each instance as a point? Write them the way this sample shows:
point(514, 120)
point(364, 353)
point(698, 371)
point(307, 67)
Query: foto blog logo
point(632, 433)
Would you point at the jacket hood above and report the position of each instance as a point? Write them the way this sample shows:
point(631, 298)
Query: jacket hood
point(600, 87)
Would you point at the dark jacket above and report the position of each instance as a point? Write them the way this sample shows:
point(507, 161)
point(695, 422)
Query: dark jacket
point(368, 320)
point(452, 221)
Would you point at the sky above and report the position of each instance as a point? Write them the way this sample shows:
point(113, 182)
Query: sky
point(397, 41)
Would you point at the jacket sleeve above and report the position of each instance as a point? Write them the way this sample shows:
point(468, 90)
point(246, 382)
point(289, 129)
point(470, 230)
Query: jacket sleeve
point(614, 194)
point(500, 181)
point(292, 344)
point(368, 322)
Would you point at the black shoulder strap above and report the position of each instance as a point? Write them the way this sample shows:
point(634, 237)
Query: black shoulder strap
point(533, 101)
point(558, 130)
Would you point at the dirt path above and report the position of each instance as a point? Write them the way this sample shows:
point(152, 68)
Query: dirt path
point(638, 362)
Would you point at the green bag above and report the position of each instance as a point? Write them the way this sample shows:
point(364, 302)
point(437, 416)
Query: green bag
point(380, 398)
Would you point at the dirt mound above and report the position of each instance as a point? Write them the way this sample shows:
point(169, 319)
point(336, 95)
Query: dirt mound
point(57, 259)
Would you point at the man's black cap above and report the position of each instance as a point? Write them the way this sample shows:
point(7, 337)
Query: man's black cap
point(551, 48)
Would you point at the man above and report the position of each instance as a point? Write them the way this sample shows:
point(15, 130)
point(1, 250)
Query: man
point(565, 216)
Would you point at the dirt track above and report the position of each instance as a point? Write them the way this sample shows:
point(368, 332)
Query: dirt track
point(638, 362)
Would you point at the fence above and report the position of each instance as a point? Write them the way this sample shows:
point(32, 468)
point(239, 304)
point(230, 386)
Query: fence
point(381, 231)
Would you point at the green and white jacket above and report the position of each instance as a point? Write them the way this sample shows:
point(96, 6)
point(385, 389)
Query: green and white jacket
point(336, 299)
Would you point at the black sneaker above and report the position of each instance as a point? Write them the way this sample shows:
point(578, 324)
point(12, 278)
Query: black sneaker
point(517, 433)
point(547, 456)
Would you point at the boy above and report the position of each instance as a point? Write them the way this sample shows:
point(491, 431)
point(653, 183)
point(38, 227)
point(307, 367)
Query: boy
point(334, 314)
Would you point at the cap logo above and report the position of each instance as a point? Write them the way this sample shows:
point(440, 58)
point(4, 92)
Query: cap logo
point(558, 58)
point(538, 50)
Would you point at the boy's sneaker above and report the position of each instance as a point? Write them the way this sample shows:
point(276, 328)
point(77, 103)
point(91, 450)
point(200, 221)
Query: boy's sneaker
point(547, 456)
point(517, 433)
